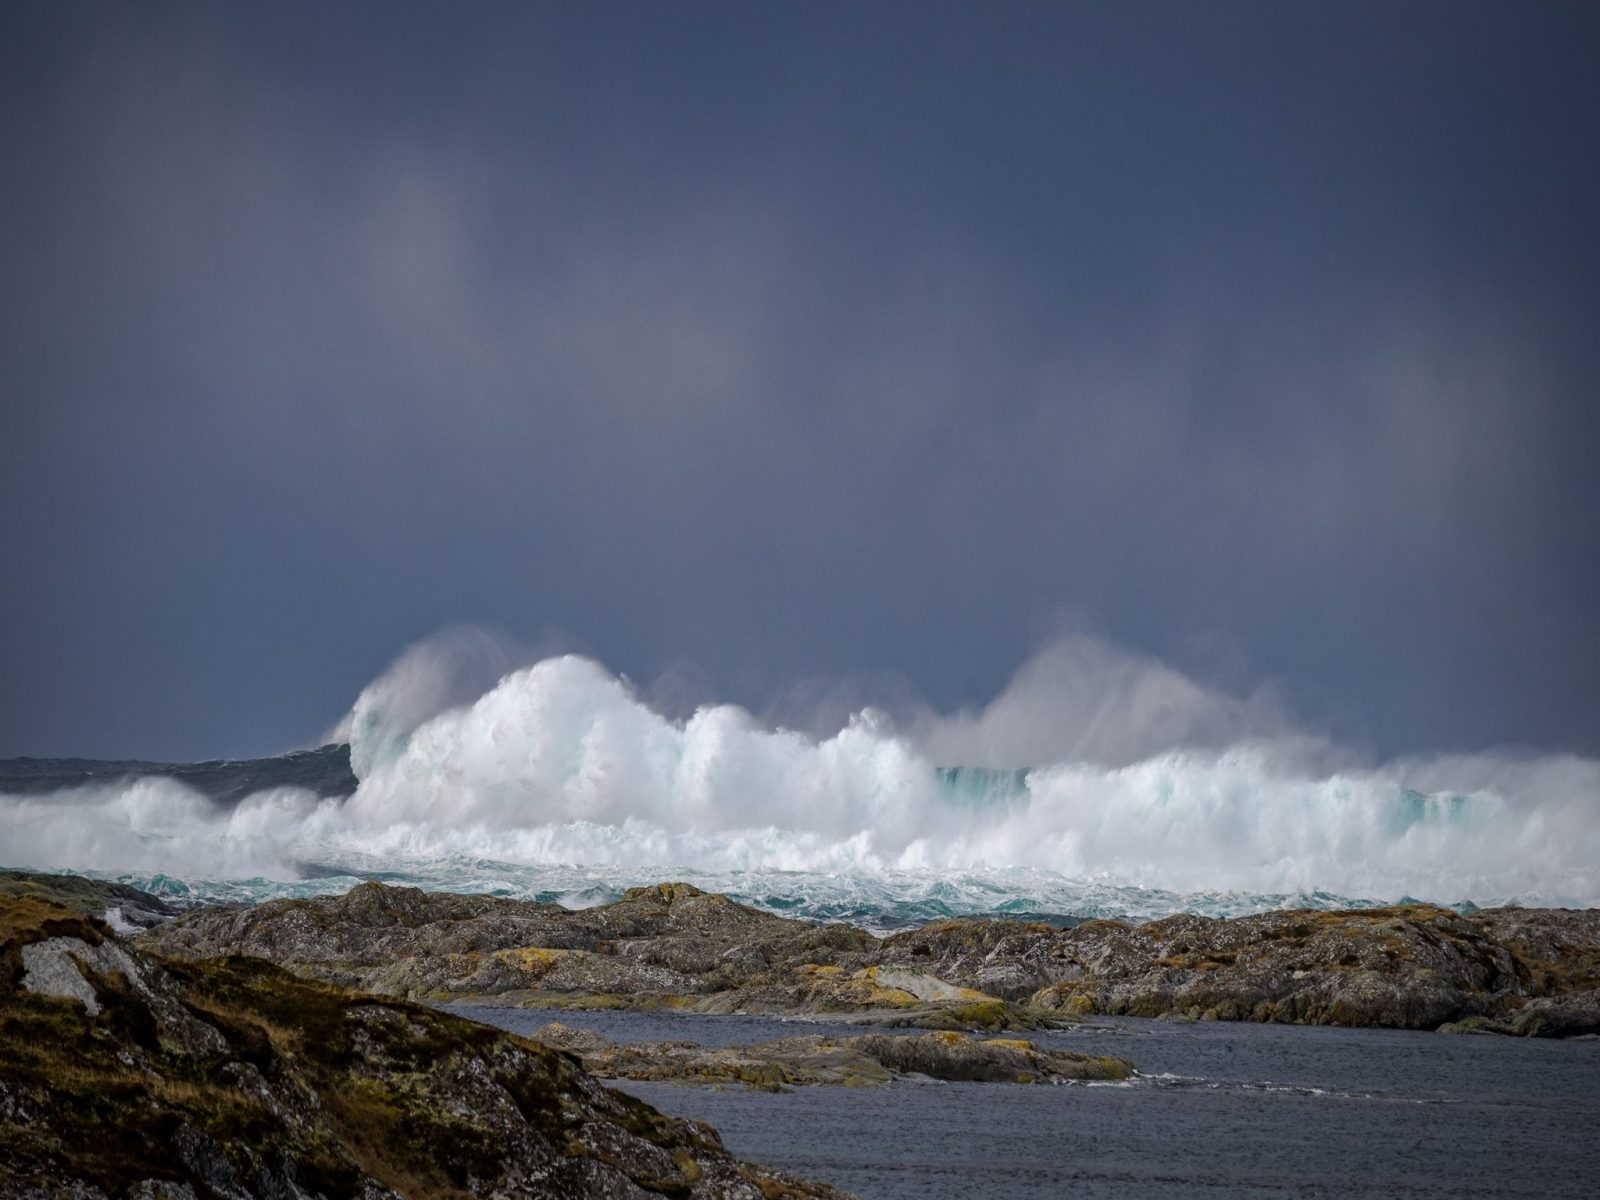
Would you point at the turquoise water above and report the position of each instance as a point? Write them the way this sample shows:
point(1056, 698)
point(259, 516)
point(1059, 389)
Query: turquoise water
point(857, 828)
point(879, 900)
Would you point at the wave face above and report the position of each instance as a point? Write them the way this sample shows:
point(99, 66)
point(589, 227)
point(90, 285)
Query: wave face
point(559, 782)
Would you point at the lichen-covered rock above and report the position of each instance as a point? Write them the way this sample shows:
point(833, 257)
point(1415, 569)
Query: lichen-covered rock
point(673, 946)
point(1554, 950)
point(1008, 959)
point(125, 908)
point(1410, 967)
point(78, 968)
point(668, 946)
point(231, 1079)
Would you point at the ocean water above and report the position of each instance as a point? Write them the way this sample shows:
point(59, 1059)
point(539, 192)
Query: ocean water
point(1220, 1109)
point(556, 781)
point(1094, 785)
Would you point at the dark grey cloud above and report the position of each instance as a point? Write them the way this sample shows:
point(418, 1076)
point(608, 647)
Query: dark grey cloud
point(757, 347)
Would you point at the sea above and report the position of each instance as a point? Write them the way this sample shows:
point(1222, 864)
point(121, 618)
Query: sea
point(560, 785)
point(559, 782)
point(1094, 785)
point(1217, 1109)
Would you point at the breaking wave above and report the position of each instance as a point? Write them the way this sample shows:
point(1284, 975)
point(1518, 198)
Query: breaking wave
point(558, 781)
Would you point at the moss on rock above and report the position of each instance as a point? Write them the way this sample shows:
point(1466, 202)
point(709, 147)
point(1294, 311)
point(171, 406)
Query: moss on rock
point(238, 1079)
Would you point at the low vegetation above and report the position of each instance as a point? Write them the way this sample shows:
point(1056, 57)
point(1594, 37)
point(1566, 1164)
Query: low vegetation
point(232, 1078)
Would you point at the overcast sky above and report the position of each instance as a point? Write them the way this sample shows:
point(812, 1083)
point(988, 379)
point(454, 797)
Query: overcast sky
point(762, 345)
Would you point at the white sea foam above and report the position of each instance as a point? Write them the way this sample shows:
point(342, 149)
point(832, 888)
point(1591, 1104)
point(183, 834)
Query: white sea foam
point(119, 924)
point(558, 781)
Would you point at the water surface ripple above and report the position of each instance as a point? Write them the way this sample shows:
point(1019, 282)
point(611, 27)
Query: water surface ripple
point(1233, 1110)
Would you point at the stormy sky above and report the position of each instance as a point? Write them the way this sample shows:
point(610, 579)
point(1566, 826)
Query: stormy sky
point(761, 347)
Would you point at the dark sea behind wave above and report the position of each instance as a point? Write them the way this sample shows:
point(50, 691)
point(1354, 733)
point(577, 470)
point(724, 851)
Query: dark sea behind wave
point(325, 772)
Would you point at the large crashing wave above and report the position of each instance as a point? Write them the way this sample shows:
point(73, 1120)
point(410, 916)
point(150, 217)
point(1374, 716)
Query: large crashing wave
point(558, 779)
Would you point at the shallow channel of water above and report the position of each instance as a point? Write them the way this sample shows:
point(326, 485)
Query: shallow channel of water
point(1221, 1109)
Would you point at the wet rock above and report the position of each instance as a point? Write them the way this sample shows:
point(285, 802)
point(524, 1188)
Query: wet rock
point(1574, 1015)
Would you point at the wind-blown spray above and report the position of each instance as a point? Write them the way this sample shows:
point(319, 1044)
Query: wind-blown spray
point(558, 776)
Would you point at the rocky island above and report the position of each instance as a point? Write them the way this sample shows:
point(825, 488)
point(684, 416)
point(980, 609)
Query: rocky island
point(296, 1048)
point(864, 1060)
point(672, 946)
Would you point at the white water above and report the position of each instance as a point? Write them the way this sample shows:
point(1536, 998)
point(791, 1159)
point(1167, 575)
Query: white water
point(558, 781)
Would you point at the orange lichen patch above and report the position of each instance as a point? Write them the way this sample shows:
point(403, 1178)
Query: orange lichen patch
point(533, 959)
point(668, 893)
point(865, 990)
point(894, 988)
point(920, 985)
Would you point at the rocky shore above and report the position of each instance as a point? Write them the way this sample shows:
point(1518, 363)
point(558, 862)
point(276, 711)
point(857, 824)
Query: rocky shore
point(865, 1060)
point(126, 909)
point(125, 1075)
point(671, 946)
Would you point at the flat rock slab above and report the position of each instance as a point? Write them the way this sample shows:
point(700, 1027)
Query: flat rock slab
point(813, 1059)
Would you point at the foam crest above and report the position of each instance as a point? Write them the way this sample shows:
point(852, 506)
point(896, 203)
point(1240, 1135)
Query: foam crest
point(442, 671)
point(157, 825)
point(558, 779)
point(561, 762)
point(565, 742)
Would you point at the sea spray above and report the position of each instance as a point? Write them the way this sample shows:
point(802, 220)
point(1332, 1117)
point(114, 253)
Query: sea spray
point(558, 780)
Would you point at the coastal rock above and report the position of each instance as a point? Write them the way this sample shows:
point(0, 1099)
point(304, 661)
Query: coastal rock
point(1008, 959)
point(1573, 1015)
point(863, 1060)
point(1409, 967)
point(126, 909)
point(232, 1079)
point(673, 946)
point(1555, 950)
